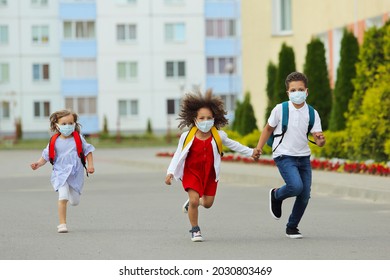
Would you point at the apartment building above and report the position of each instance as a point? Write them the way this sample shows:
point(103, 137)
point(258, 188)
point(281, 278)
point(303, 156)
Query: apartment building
point(124, 61)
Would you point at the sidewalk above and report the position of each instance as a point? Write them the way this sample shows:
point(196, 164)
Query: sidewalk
point(350, 186)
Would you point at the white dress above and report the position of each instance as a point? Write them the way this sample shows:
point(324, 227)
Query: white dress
point(67, 166)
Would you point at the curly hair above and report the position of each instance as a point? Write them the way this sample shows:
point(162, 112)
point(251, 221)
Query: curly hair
point(193, 101)
point(294, 77)
point(54, 118)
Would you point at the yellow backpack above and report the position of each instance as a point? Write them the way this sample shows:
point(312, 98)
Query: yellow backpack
point(214, 133)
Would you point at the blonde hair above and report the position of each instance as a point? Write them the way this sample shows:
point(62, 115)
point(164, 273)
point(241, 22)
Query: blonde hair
point(54, 118)
point(193, 101)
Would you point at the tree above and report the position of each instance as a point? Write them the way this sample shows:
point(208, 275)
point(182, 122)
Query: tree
point(285, 67)
point(344, 87)
point(315, 68)
point(245, 120)
point(237, 116)
point(368, 119)
point(149, 130)
point(371, 55)
point(271, 76)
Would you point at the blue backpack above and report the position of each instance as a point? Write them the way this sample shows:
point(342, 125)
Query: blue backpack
point(270, 141)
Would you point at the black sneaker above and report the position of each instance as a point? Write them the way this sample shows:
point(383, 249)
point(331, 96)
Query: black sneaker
point(275, 206)
point(293, 233)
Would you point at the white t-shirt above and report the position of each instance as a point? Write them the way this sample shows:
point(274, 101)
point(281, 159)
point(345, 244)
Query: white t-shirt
point(295, 141)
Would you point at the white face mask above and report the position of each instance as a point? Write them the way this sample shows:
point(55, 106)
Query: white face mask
point(297, 97)
point(66, 129)
point(204, 126)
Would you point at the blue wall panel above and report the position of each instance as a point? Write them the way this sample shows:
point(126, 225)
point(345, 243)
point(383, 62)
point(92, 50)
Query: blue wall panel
point(86, 87)
point(79, 49)
point(78, 11)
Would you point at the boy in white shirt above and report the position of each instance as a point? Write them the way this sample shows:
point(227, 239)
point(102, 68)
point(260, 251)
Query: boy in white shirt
point(291, 152)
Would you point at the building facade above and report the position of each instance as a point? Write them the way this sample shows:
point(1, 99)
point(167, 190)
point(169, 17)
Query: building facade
point(267, 24)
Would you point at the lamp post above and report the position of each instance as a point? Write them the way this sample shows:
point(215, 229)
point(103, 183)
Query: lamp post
point(229, 68)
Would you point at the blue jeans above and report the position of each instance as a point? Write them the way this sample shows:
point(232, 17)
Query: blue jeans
point(296, 173)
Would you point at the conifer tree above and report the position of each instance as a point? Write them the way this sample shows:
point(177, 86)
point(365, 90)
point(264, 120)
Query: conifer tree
point(315, 68)
point(248, 119)
point(368, 119)
point(286, 65)
point(344, 88)
point(271, 76)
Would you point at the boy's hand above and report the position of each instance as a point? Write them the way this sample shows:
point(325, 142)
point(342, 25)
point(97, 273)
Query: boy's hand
point(319, 138)
point(256, 154)
point(168, 179)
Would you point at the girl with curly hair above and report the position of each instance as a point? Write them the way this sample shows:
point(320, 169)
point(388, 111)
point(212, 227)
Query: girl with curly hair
point(67, 176)
point(197, 159)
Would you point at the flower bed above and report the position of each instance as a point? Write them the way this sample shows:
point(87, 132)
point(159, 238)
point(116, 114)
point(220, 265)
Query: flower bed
point(337, 165)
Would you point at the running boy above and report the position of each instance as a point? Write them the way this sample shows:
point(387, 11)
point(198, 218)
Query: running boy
point(291, 153)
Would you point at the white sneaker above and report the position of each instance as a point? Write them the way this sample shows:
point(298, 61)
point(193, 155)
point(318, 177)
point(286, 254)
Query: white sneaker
point(185, 206)
point(62, 228)
point(196, 236)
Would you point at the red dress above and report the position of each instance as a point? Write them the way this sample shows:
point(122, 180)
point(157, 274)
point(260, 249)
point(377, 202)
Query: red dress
point(199, 173)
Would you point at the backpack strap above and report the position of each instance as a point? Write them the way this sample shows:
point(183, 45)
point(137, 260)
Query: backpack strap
point(217, 139)
point(79, 147)
point(190, 136)
point(311, 122)
point(285, 115)
point(214, 133)
point(52, 152)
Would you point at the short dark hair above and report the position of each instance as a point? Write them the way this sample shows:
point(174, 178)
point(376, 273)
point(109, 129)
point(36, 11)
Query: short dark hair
point(296, 76)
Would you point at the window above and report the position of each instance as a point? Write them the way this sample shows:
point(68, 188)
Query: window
point(175, 32)
point(79, 30)
point(3, 34)
point(220, 28)
point(173, 106)
point(40, 34)
point(128, 108)
point(39, 2)
point(175, 69)
point(282, 21)
point(126, 1)
point(40, 72)
point(5, 110)
point(230, 101)
point(174, 2)
point(374, 21)
point(41, 109)
point(219, 65)
point(126, 32)
point(127, 70)
point(82, 105)
point(4, 73)
point(79, 68)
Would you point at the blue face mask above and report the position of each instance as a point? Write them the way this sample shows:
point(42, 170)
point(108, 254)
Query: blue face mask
point(297, 97)
point(205, 126)
point(66, 129)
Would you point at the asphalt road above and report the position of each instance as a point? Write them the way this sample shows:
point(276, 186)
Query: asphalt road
point(128, 213)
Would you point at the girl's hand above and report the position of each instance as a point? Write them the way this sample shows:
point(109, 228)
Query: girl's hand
point(256, 154)
point(35, 165)
point(168, 179)
point(91, 169)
